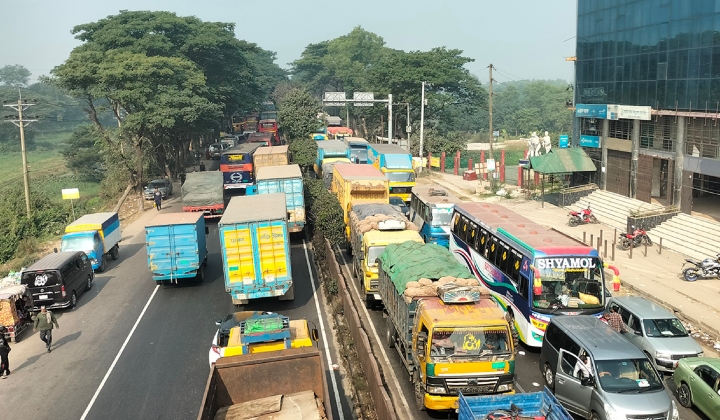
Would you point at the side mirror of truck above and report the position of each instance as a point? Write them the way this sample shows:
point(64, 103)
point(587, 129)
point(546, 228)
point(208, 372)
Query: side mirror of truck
point(314, 334)
point(421, 341)
point(218, 322)
point(207, 230)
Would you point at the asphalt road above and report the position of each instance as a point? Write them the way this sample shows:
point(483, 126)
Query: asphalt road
point(134, 350)
point(527, 373)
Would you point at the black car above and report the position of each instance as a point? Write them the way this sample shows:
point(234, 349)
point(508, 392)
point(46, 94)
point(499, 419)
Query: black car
point(401, 205)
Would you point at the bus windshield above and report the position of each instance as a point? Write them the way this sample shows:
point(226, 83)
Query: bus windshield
point(441, 216)
point(570, 283)
point(491, 343)
point(400, 176)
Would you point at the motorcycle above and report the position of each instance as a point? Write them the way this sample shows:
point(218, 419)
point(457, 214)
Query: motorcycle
point(582, 217)
point(706, 268)
point(634, 239)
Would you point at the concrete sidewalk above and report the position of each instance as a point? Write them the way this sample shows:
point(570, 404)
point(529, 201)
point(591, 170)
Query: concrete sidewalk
point(657, 276)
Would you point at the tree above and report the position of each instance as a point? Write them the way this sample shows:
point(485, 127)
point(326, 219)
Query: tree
point(297, 114)
point(15, 76)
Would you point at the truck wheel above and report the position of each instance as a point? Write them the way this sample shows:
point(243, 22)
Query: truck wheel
point(290, 295)
point(348, 248)
point(419, 392)
point(115, 252)
point(390, 334)
point(369, 302)
point(103, 264)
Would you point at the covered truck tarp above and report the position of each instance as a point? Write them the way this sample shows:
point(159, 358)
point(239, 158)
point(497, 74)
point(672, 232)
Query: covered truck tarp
point(203, 189)
point(364, 211)
point(411, 261)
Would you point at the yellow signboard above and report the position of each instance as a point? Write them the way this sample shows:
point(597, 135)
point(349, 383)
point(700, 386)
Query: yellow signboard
point(70, 194)
point(435, 162)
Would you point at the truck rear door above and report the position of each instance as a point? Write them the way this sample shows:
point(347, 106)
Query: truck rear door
point(271, 237)
point(173, 249)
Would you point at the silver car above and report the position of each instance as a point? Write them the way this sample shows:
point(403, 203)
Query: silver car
point(163, 185)
point(655, 331)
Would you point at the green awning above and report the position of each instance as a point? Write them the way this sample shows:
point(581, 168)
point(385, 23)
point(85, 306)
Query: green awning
point(563, 161)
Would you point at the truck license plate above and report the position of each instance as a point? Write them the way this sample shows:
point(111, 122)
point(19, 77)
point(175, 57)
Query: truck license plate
point(43, 297)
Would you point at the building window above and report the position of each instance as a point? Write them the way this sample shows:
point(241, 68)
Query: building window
point(702, 137)
point(621, 129)
point(658, 134)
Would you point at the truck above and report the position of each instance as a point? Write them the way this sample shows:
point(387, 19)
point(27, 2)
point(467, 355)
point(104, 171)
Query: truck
point(285, 179)
point(176, 247)
point(98, 234)
point(270, 156)
point(203, 192)
point(542, 404)
point(358, 184)
point(371, 228)
point(254, 243)
point(396, 163)
point(358, 149)
point(329, 153)
point(450, 334)
point(284, 384)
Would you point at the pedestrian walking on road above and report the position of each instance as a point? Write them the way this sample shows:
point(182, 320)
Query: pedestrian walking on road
point(4, 351)
point(615, 320)
point(182, 178)
point(44, 322)
point(157, 196)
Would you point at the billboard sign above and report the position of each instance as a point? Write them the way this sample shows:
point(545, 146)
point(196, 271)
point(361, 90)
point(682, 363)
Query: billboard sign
point(589, 141)
point(627, 112)
point(564, 141)
point(591, 111)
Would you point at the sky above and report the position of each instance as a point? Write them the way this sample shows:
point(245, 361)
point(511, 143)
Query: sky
point(523, 39)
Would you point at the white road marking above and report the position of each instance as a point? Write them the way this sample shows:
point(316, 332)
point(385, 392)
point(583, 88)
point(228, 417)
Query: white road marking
point(117, 357)
point(324, 335)
point(377, 337)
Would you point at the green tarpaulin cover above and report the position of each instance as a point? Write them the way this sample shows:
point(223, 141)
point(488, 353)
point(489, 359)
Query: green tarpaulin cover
point(411, 261)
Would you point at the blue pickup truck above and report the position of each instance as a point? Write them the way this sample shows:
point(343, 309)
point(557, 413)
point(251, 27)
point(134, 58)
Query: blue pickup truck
point(541, 404)
point(176, 247)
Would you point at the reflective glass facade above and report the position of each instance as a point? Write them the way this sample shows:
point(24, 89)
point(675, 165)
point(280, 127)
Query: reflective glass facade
point(659, 53)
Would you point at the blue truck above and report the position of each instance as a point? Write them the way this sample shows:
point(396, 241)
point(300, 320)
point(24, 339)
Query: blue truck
point(396, 163)
point(329, 153)
point(542, 404)
point(254, 243)
point(176, 247)
point(97, 234)
point(285, 179)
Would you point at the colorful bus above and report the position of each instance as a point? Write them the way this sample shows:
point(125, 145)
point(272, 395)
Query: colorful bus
point(534, 273)
point(431, 209)
point(236, 165)
point(269, 126)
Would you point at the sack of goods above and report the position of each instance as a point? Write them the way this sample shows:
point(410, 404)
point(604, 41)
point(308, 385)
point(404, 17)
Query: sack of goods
point(427, 287)
point(367, 217)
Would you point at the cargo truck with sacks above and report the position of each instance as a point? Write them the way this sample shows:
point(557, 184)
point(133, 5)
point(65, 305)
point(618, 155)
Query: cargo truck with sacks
point(450, 334)
point(371, 228)
point(358, 184)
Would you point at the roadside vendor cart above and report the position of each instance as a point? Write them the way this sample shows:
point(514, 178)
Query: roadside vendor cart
point(14, 310)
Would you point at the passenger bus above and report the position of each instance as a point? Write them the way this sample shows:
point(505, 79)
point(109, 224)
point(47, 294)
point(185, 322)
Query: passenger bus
point(358, 149)
point(269, 126)
point(236, 165)
point(534, 273)
point(431, 209)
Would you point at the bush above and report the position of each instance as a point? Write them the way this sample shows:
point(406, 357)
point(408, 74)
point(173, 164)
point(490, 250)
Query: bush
point(325, 214)
point(303, 151)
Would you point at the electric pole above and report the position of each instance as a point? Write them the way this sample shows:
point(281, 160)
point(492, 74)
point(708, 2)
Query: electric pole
point(422, 123)
point(20, 122)
point(490, 112)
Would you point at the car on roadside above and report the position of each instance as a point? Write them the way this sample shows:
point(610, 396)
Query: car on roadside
point(698, 383)
point(655, 331)
point(401, 205)
point(215, 150)
point(257, 332)
point(163, 185)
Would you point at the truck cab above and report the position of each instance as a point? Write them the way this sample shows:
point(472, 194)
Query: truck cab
point(96, 234)
point(396, 163)
point(89, 242)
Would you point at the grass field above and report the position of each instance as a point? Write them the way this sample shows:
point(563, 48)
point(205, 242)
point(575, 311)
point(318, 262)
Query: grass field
point(43, 162)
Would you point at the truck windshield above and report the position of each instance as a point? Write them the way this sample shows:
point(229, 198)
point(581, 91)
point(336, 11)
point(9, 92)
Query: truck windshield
point(488, 343)
point(633, 376)
point(400, 176)
point(77, 243)
point(569, 284)
point(441, 216)
point(359, 153)
point(373, 254)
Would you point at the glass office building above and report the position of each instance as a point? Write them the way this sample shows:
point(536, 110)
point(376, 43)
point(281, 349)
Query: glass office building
point(662, 54)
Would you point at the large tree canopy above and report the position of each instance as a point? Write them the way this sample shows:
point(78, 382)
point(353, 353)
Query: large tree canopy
point(166, 78)
point(15, 76)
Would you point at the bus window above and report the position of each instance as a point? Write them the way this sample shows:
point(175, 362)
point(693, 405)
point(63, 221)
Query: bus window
point(482, 242)
point(472, 234)
point(523, 287)
point(513, 267)
point(464, 232)
point(492, 249)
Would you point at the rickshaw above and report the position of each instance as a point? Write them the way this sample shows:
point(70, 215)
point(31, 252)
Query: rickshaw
point(14, 310)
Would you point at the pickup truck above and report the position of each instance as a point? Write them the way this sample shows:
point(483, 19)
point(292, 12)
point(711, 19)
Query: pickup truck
point(98, 234)
point(542, 404)
point(283, 384)
point(254, 243)
point(176, 247)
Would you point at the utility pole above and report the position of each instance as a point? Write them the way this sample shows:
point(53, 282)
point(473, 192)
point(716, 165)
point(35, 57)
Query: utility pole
point(20, 122)
point(390, 122)
point(490, 108)
point(422, 123)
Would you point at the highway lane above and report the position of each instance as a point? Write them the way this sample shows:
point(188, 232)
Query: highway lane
point(527, 372)
point(163, 368)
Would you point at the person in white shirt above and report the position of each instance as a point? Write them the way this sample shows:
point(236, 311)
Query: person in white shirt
point(583, 366)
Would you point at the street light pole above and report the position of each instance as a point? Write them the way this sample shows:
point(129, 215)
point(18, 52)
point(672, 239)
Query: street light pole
point(422, 123)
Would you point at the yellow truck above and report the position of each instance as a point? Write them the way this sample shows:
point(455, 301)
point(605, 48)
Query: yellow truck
point(450, 334)
point(371, 228)
point(358, 184)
